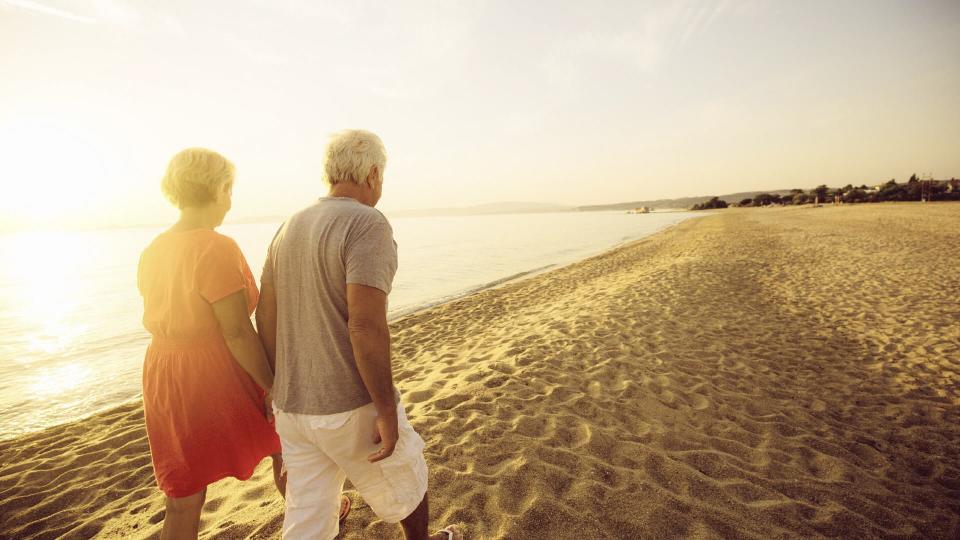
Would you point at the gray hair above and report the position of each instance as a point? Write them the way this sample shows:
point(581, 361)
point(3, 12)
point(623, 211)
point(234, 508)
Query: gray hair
point(351, 156)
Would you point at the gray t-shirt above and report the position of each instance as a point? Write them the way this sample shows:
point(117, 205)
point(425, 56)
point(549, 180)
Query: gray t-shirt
point(313, 256)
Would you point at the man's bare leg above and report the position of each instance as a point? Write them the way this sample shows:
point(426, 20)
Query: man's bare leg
point(415, 525)
point(279, 474)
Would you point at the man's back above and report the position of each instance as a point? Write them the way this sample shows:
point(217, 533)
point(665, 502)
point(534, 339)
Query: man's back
point(315, 254)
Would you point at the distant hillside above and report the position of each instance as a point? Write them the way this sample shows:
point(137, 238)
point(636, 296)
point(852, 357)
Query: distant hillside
point(484, 209)
point(684, 202)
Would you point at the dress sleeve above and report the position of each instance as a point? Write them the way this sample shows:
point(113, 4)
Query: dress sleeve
point(140, 275)
point(220, 270)
point(371, 257)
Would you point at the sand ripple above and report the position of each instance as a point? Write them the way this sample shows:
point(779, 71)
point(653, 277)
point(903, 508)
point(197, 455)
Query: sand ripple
point(752, 374)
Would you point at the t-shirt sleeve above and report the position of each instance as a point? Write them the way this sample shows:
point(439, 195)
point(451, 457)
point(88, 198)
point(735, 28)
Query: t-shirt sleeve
point(371, 257)
point(220, 270)
point(266, 277)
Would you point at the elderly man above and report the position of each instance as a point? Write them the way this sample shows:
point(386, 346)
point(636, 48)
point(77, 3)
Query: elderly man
point(323, 320)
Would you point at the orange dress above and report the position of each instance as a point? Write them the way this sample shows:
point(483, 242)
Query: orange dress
point(204, 413)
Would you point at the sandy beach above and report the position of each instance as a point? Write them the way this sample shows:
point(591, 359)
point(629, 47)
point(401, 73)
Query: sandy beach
point(754, 373)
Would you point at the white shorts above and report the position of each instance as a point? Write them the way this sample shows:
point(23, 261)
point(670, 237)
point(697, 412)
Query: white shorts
point(320, 452)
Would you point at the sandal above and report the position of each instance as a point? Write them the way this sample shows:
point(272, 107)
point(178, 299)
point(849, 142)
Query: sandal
point(452, 532)
point(346, 503)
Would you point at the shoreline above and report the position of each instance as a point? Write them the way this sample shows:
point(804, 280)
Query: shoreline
point(749, 374)
point(533, 273)
point(393, 318)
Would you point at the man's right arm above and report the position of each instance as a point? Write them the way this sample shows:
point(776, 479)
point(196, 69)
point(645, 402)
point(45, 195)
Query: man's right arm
point(370, 339)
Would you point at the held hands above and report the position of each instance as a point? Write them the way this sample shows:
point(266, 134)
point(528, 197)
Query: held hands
point(268, 406)
point(384, 432)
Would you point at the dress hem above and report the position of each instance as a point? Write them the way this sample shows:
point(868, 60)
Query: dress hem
point(178, 493)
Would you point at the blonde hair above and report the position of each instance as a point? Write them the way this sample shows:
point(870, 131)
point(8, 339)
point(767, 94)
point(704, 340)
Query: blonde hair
point(194, 176)
point(351, 155)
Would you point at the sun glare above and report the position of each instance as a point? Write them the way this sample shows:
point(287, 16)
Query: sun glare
point(59, 380)
point(50, 173)
point(50, 294)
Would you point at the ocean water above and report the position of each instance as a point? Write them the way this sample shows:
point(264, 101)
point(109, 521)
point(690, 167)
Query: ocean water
point(71, 341)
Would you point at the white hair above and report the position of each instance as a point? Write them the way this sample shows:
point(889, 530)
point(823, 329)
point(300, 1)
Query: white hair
point(194, 176)
point(351, 156)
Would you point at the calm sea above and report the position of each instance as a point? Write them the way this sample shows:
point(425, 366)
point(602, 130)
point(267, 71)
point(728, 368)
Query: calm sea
point(72, 343)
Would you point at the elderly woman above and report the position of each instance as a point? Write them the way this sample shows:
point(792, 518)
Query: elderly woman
point(206, 379)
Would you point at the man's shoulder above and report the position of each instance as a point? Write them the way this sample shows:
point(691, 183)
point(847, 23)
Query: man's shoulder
point(349, 211)
point(362, 211)
point(305, 211)
point(373, 215)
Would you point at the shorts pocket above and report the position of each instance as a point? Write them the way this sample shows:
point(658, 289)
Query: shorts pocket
point(406, 471)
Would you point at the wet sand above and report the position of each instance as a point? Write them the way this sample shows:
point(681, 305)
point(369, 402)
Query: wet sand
point(755, 373)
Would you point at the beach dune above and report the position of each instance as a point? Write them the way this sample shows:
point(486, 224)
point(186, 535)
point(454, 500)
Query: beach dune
point(752, 373)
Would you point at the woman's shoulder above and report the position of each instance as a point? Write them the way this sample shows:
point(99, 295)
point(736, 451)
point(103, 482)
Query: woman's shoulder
point(202, 237)
point(197, 241)
point(213, 245)
point(215, 238)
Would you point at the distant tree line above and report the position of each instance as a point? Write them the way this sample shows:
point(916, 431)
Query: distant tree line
point(913, 190)
point(712, 204)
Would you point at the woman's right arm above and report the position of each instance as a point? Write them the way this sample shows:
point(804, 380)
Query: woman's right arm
point(267, 320)
point(243, 341)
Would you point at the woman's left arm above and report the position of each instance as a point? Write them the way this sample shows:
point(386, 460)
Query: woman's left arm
point(242, 339)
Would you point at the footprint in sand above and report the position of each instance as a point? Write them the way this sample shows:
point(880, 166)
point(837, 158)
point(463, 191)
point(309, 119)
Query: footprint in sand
point(474, 377)
point(138, 509)
point(595, 389)
point(419, 396)
point(699, 403)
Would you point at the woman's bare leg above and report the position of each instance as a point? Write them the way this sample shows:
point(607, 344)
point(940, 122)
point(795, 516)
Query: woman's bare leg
point(182, 519)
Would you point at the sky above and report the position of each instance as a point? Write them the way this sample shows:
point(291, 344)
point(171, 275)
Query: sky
point(563, 102)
